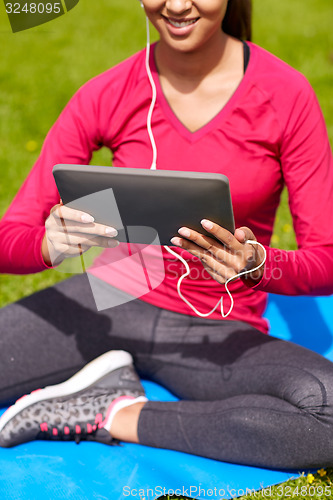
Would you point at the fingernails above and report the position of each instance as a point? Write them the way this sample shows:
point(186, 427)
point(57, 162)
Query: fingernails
point(207, 224)
point(242, 234)
point(184, 232)
point(111, 231)
point(87, 218)
point(176, 241)
point(113, 243)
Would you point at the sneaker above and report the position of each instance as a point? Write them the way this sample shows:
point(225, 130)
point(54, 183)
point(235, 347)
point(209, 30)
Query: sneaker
point(82, 408)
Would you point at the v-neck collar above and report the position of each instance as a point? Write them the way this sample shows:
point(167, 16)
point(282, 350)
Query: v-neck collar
point(221, 115)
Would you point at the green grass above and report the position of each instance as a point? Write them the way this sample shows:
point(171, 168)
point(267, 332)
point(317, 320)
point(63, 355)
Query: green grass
point(42, 68)
point(318, 486)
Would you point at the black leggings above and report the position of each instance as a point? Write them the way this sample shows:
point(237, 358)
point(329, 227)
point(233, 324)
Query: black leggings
point(245, 397)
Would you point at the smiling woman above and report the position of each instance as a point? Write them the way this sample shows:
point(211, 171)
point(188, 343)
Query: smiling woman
point(185, 25)
point(236, 21)
point(224, 105)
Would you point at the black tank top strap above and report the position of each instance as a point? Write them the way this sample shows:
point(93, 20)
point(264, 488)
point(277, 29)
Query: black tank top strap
point(246, 55)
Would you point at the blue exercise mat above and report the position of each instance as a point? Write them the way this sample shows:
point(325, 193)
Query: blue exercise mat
point(51, 471)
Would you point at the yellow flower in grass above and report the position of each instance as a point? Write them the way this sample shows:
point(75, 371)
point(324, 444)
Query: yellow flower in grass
point(287, 228)
point(321, 472)
point(31, 146)
point(275, 239)
point(310, 478)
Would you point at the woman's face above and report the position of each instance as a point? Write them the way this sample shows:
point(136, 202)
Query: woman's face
point(186, 25)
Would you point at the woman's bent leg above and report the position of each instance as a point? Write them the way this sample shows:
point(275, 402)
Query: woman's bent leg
point(252, 399)
point(47, 337)
point(248, 398)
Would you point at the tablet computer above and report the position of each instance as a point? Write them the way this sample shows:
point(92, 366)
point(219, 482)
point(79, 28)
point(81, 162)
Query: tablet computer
point(162, 200)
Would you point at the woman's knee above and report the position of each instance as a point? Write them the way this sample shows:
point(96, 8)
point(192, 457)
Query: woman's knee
point(311, 392)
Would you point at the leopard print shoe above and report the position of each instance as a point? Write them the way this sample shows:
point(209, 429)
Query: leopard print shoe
point(80, 408)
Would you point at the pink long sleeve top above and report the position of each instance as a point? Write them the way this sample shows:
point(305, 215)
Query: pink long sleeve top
point(271, 133)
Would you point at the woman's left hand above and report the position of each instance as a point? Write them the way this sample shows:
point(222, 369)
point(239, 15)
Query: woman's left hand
point(228, 256)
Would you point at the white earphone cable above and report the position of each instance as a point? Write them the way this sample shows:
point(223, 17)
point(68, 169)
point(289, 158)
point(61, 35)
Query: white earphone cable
point(224, 315)
point(153, 100)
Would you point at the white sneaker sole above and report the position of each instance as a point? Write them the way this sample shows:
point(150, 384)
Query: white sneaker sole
point(85, 378)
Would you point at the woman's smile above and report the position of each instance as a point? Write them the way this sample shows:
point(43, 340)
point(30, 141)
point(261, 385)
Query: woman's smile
point(180, 27)
point(187, 26)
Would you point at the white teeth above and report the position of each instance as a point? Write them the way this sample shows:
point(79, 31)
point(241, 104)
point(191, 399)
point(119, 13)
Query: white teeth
point(182, 24)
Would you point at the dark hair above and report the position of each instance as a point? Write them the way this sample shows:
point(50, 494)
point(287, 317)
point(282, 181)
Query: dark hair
point(238, 19)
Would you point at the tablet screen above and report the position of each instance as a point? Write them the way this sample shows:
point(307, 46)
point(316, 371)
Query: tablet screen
point(161, 201)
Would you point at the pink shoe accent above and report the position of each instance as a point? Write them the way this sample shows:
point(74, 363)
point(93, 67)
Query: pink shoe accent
point(66, 430)
point(77, 429)
point(94, 427)
point(114, 402)
point(98, 418)
point(55, 432)
point(25, 395)
point(89, 428)
point(44, 427)
point(22, 397)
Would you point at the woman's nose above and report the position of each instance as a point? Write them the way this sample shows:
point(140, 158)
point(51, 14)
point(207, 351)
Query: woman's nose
point(178, 6)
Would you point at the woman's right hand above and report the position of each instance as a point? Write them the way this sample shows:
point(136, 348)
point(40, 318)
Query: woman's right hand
point(71, 232)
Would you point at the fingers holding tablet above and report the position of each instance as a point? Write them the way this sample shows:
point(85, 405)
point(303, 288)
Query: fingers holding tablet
point(80, 222)
point(71, 232)
point(223, 255)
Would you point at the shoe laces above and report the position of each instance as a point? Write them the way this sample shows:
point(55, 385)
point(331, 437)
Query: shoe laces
point(77, 432)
